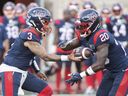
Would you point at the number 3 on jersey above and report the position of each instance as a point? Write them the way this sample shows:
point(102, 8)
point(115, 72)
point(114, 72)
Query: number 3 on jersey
point(104, 37)
point(29, 37)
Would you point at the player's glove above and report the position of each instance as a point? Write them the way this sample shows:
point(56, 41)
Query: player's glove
point(75, 77)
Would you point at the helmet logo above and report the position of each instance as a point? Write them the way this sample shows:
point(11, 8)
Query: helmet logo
point(38, 13)
point(90, 17)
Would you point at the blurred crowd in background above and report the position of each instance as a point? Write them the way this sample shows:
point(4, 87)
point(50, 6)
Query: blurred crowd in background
point(13, 21)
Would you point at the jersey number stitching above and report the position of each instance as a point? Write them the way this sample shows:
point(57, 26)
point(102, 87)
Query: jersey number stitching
point(104, 37)
point(29, 36)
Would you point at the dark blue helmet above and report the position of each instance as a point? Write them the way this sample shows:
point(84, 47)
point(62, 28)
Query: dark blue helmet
point(89, 20)
point(117, 9)
point(20, 8)
point(88, 5)
point(9, 6)
point(39, 18)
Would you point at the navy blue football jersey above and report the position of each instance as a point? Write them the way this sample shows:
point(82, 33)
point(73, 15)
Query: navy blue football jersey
point(19, 55)
point(3, 36)
point(65, 33)
point(65, 30)
point(117, 57)
point(13, 27)
point(119, 27)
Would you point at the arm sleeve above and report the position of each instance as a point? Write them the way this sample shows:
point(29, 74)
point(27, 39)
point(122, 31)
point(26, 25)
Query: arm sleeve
point(29, 36)
point(4, 34)
point(102, 38)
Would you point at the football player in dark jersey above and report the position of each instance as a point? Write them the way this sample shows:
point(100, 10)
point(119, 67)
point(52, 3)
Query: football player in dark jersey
point(4, 42)
point(20, 10)
point(110, 55)
point(91, 80)
point(12, 23)
point(105, 14)
point(118, 25)
point(14, 67)
point(64, 32)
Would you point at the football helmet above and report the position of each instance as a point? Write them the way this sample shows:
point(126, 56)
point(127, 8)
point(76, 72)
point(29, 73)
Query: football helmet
point(105, 11)
point(88, 22)
point(88, 5)
point(39, 18)
point(9, 10)
point(20, 9)
point(32, 5)
point(117, 9)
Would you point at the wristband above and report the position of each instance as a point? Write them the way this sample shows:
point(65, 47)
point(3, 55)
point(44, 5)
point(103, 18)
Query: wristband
point(83, 53)
point(64, 58)
point(82, 74)
point(90, 71)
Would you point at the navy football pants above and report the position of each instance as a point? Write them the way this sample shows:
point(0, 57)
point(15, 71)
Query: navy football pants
point(11, 82)
point(113, 84)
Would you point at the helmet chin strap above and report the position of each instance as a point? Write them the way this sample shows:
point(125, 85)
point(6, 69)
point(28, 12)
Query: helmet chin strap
point(41, 32)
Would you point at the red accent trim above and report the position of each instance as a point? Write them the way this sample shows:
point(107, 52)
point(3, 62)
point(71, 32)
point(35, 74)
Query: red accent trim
point(58, 79)
point(108, 20)
point(47, 91)
point(8, 79)
point(1, 19)
point(77, 34)
point(33, 31)
point(59, 50)
point(97, 35)
point(123, 85)
point(57, 22)
point(21, 20)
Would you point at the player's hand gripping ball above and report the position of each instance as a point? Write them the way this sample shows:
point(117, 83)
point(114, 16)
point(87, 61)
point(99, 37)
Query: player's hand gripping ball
point(83, 53)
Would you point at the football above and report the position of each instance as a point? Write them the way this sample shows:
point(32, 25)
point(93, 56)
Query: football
point(83, 52)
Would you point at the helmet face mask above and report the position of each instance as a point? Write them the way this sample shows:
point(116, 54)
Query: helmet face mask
point(88, 22)
point(46, 29)
point(82, 28)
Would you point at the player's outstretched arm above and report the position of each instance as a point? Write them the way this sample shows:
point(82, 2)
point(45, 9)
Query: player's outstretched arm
point(101, 57)
point(70, 45)
point(39, 50)
point(101, 54)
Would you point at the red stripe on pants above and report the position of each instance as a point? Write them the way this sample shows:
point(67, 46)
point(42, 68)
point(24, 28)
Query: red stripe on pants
point(47, 91)
point(121, 91)
point(8, 79)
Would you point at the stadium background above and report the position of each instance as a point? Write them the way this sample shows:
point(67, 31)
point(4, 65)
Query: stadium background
point(56, 7)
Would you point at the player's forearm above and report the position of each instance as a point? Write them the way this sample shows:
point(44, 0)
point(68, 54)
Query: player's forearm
point(52, 57)
point(97, 67)
point(40, 51)
point(74, 43)
point(92, 70)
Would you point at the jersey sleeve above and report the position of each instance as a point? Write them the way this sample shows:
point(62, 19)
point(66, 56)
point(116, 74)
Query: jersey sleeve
point(5, 36)
point(101, 38)
point(29, 36)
